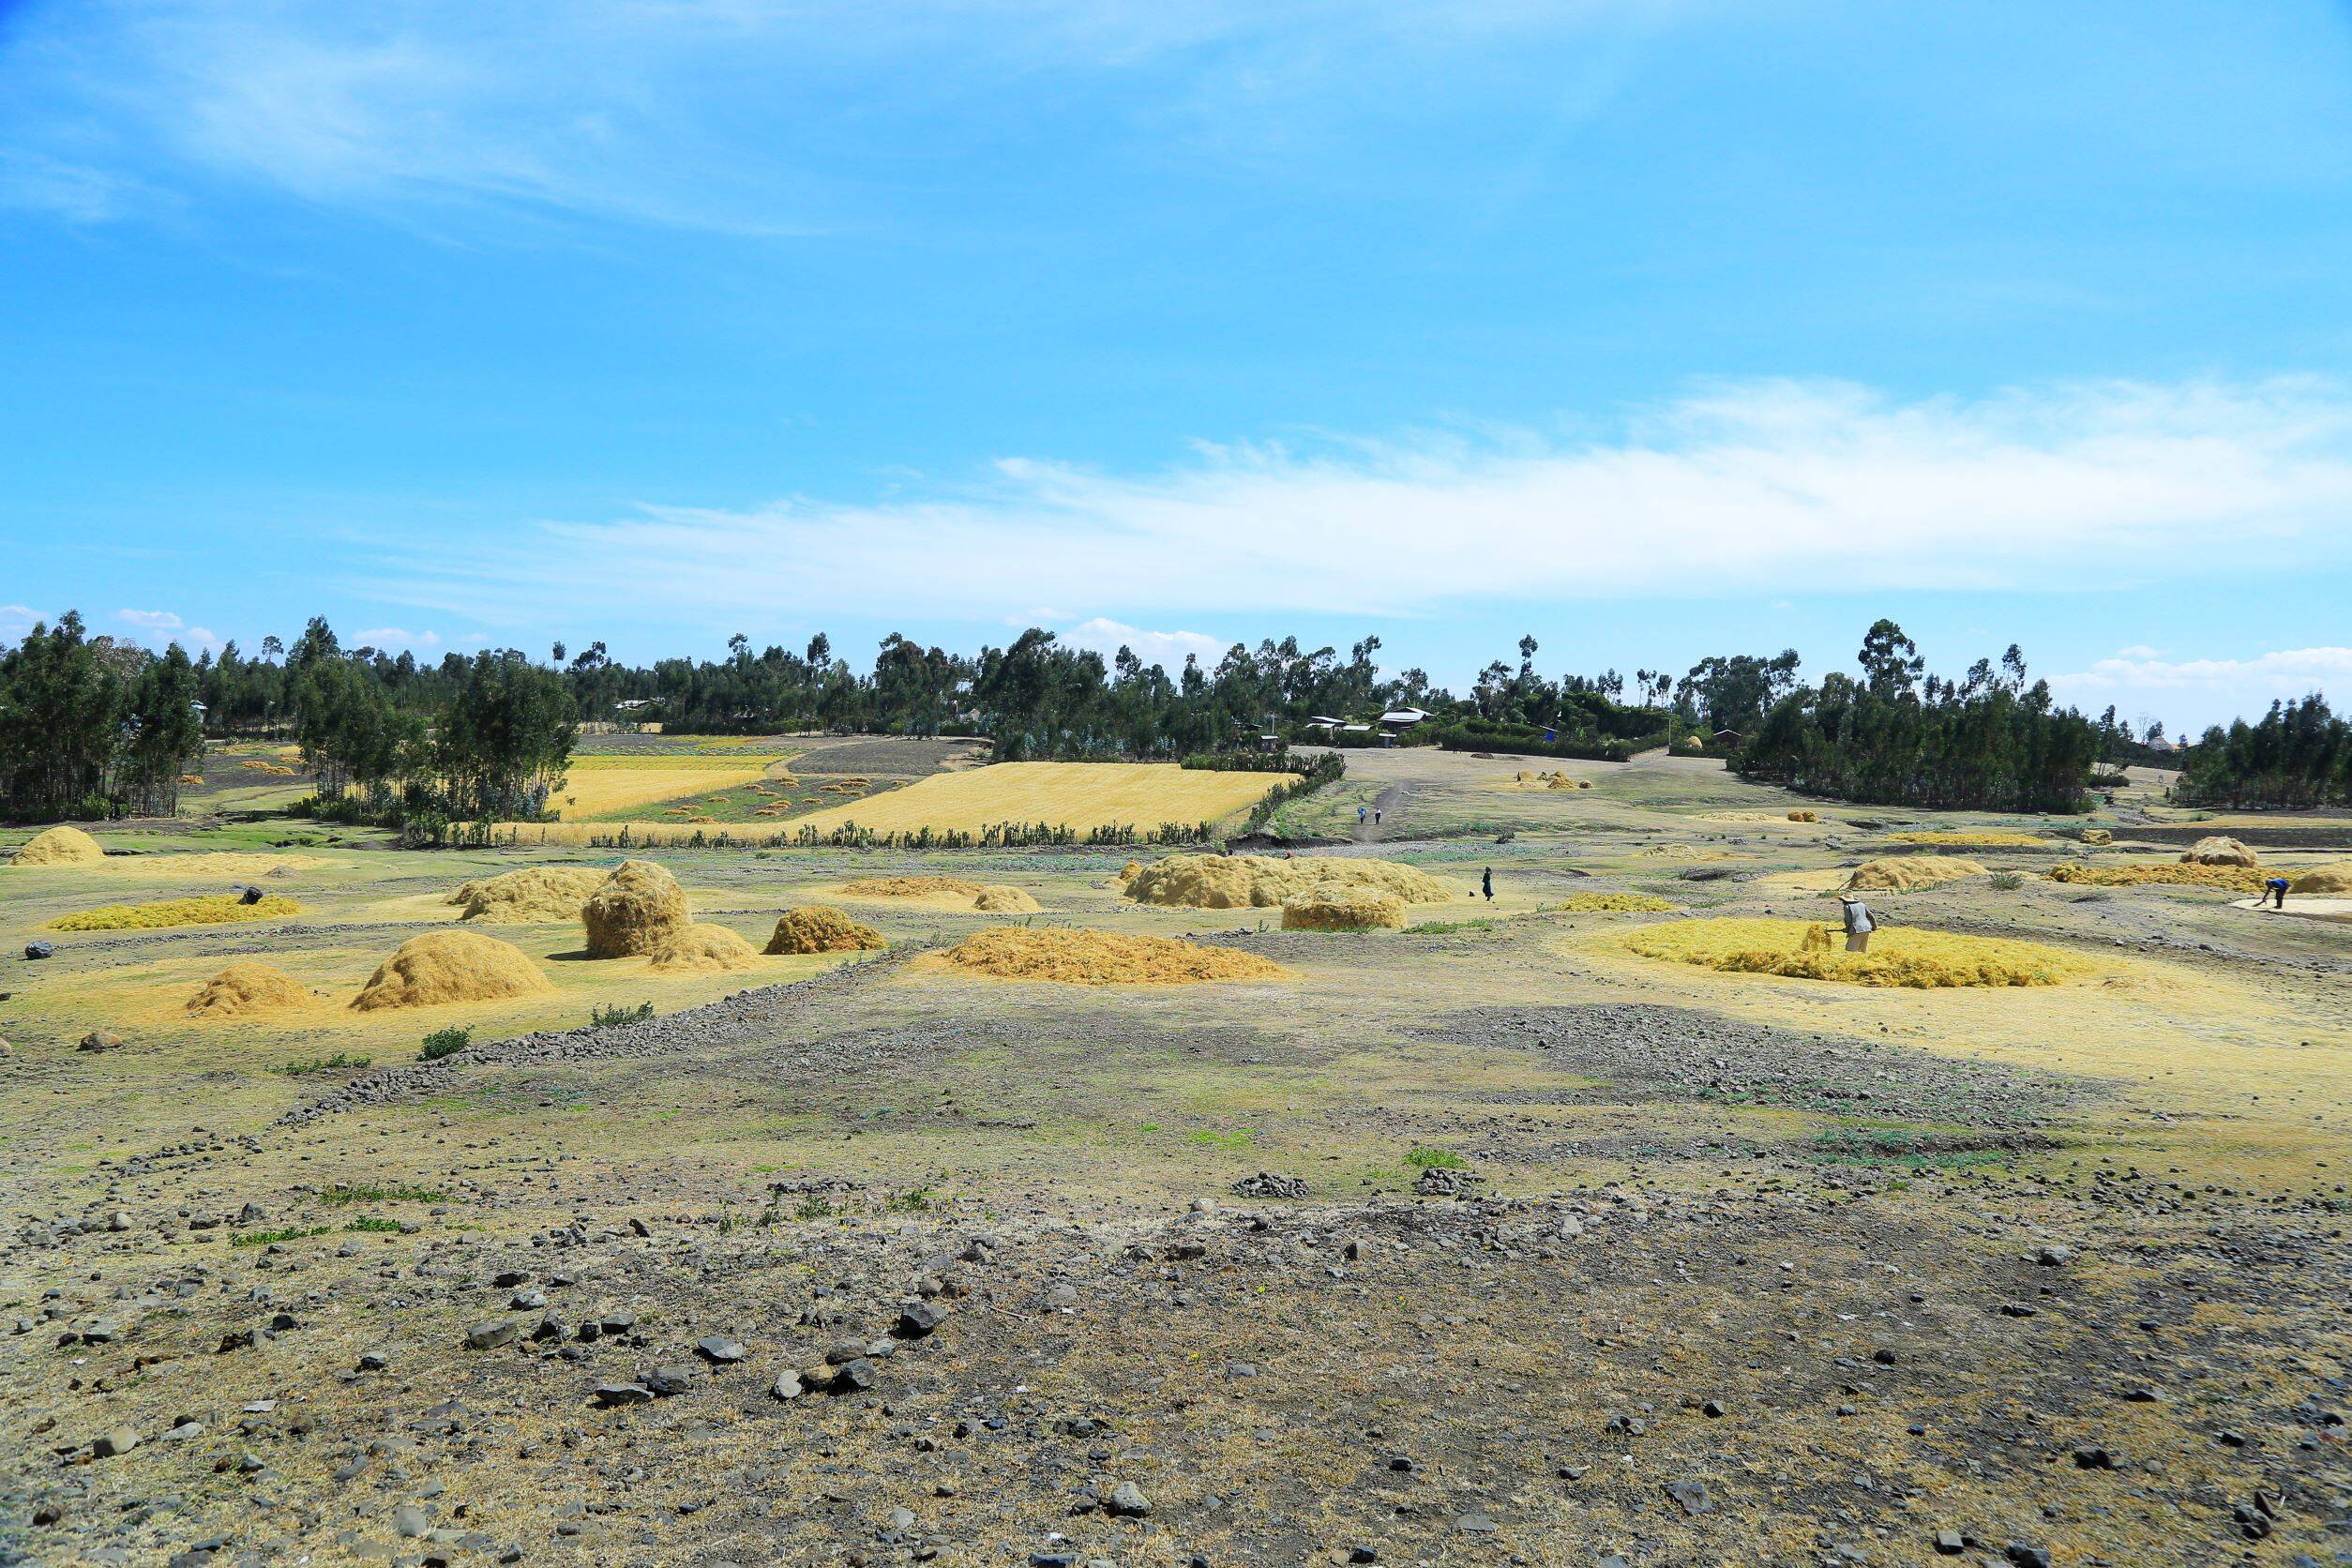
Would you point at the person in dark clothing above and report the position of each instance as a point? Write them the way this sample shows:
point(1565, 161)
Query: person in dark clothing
point(1486, 884)
point(2276, 888)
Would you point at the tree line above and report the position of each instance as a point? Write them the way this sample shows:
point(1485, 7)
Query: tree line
point(1900, 737)
point(89, 725)
point(2298, 755)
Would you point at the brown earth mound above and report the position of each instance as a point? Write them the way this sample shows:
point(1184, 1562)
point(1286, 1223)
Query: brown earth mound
point(441, 966)
point(242, 990)
point(821, 929)
point(635, 911)
point(60, 845)
point(1104, 958)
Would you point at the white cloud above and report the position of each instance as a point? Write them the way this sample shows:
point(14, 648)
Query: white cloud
point(17, 619)
point(161, 627)
point(2139, 650)
point(1167, 648)
point(1753, 491)
point(393, 637)
point(2209, 687)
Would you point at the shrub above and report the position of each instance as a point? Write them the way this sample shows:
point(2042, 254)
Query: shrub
point(2006, 881)
point(617, 1014)
point(446, 1042)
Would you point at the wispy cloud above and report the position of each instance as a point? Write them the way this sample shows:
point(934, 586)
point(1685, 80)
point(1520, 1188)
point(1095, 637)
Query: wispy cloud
point(726, 114)
point(2136, 679)
point(393, 637)
point(1755, 489)
point(1167, 648)
point(160, 627)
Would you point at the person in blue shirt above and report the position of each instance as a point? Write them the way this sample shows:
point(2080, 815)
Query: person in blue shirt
point(2276, 888)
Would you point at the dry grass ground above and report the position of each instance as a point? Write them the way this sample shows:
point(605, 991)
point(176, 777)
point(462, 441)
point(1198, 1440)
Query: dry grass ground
point(1597, 1254)
point(1078, 795)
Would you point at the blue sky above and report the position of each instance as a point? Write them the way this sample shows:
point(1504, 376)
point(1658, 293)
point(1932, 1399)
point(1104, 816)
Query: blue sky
point(1656, 328)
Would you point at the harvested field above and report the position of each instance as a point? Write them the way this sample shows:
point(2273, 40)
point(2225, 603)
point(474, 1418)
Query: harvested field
point(610, 787)
point(1070, 958)
point(1081, 796)
point(1986, 840)
point(1233, 1228)
point(1910, 873)
point(1261, 881)
point(224, 909)
point(1803, 950)
point(444, 967)
point(821, 929)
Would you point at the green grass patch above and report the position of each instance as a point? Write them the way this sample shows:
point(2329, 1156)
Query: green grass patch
point(1423, 1156)
point(341, 1060)
point(338, 1196)
point(1212, 1138)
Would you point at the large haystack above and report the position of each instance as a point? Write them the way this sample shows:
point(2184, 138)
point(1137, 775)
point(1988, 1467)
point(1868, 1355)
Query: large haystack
point(634, 911)
point(441, 966)
point(60, 845)
point(1006, 900)
point(1102, 958)
point(535, 896)
point(821, 929)
point(2234, 879)
point(243, 989)
point(1331, 907)
point(1804, 950)
point(1259, 881)
point(703, 950)
point(1910, 873)
point(2098, 835)
point(2218, 851)
point(2324, 881)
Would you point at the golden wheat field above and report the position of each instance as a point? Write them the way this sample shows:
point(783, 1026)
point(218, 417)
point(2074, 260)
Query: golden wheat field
point(1078, 795)
point(608, 786)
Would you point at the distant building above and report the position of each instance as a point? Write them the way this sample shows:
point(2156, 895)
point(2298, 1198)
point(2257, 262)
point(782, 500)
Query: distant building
point(1727, 738)
point(1405, 718)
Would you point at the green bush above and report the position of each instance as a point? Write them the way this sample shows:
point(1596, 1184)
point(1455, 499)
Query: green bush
point(612, 1016)
point(445, 1042)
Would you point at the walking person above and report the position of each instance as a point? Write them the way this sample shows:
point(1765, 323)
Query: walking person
point(1857, 924)
point(1486, 884)
point(1362, 812)
point(1376, 816)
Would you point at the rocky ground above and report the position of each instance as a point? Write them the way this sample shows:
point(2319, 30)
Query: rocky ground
point(1480, 1243)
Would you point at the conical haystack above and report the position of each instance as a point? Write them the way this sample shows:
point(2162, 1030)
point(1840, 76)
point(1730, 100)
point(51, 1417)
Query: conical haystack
point(821, 929)
point(634, 911)
point(704, 949)
point(2218, 851)
point(441, 966)
point(535, 896)
point(60, 845)
point(242, 990)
